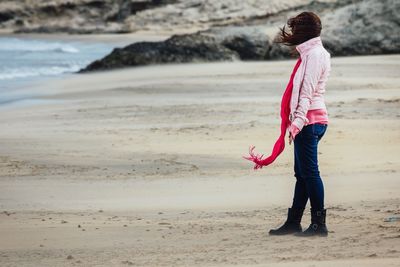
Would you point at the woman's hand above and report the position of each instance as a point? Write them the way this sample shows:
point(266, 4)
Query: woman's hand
point(290, 138)
point(293, 131)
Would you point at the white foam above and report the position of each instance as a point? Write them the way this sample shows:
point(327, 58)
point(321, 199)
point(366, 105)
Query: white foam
point(22, 45)
point(24, 60)
point(9, 74)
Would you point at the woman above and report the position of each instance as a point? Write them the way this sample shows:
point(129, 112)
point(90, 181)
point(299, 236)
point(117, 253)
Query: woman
point(305, 116)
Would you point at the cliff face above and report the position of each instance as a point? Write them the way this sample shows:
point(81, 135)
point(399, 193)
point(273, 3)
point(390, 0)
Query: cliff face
point(349, 28)
point(54, 16)
point(72, 16)
point(115, 16)
point(364, 28)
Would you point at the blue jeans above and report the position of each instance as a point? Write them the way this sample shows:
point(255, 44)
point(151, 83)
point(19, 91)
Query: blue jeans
point(308, 181)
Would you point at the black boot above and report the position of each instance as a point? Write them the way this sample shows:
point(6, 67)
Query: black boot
point(292, 224)
point(317, 226)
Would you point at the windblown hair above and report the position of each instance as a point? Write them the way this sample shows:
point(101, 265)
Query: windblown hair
point(304, 26)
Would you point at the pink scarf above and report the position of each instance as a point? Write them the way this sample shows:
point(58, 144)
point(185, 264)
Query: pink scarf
point(280, 143)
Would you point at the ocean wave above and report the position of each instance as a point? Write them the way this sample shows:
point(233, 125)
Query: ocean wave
point(26, 45)
point(15, 73)
point(25, 59)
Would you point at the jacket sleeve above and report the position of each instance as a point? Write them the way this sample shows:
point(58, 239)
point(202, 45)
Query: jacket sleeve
point(311, 75)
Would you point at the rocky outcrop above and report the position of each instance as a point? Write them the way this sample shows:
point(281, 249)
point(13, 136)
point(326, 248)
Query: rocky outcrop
point(218, 44)
point(249, 42)
point(177, 49)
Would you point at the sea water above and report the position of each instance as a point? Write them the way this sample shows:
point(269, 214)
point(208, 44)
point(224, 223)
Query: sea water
point(25, 60)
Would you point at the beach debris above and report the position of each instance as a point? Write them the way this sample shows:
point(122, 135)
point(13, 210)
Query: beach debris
point(392, 219)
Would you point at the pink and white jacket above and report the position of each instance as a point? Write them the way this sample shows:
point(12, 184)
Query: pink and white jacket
point(309, 81)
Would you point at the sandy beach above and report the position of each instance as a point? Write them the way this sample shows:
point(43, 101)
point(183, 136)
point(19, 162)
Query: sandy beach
point(143, 167)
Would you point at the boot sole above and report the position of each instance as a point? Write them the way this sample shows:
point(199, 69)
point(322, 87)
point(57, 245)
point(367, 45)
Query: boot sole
point(285, 233)
point(316, 234)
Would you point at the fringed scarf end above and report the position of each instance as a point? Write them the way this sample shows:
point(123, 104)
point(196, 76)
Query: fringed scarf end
point(256, 158)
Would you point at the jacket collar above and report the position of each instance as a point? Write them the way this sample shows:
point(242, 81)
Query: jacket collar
point(306, 46)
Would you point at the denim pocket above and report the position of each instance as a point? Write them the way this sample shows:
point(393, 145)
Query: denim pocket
point(319, 129)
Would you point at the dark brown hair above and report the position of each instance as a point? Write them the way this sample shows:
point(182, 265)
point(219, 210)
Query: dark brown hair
point(304, 26)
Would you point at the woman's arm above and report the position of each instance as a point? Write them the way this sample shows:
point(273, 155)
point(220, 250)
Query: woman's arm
point(311, 76)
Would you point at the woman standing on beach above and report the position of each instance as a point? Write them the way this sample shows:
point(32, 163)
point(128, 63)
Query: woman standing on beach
point(304, 115)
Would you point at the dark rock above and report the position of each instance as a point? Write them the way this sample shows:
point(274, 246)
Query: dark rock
point(249, 42)
point(96, 3)
point(219, 44)
point(136, 6)
point(6, 15)
point(246, 48)
point(279, 51)
point(53, 9)
point(128, 8)
point(19, 22)
point(177, 49)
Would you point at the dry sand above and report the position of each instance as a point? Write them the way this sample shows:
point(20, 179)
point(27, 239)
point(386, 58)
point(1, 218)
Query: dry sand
point(143, 167)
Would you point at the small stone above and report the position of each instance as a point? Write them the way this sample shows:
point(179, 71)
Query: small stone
point(70, 257)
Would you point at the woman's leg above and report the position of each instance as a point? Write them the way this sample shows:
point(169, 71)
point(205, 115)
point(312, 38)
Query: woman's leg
point(311, 136)
point(300, 197)
point(308, 157)
point(295, 213)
